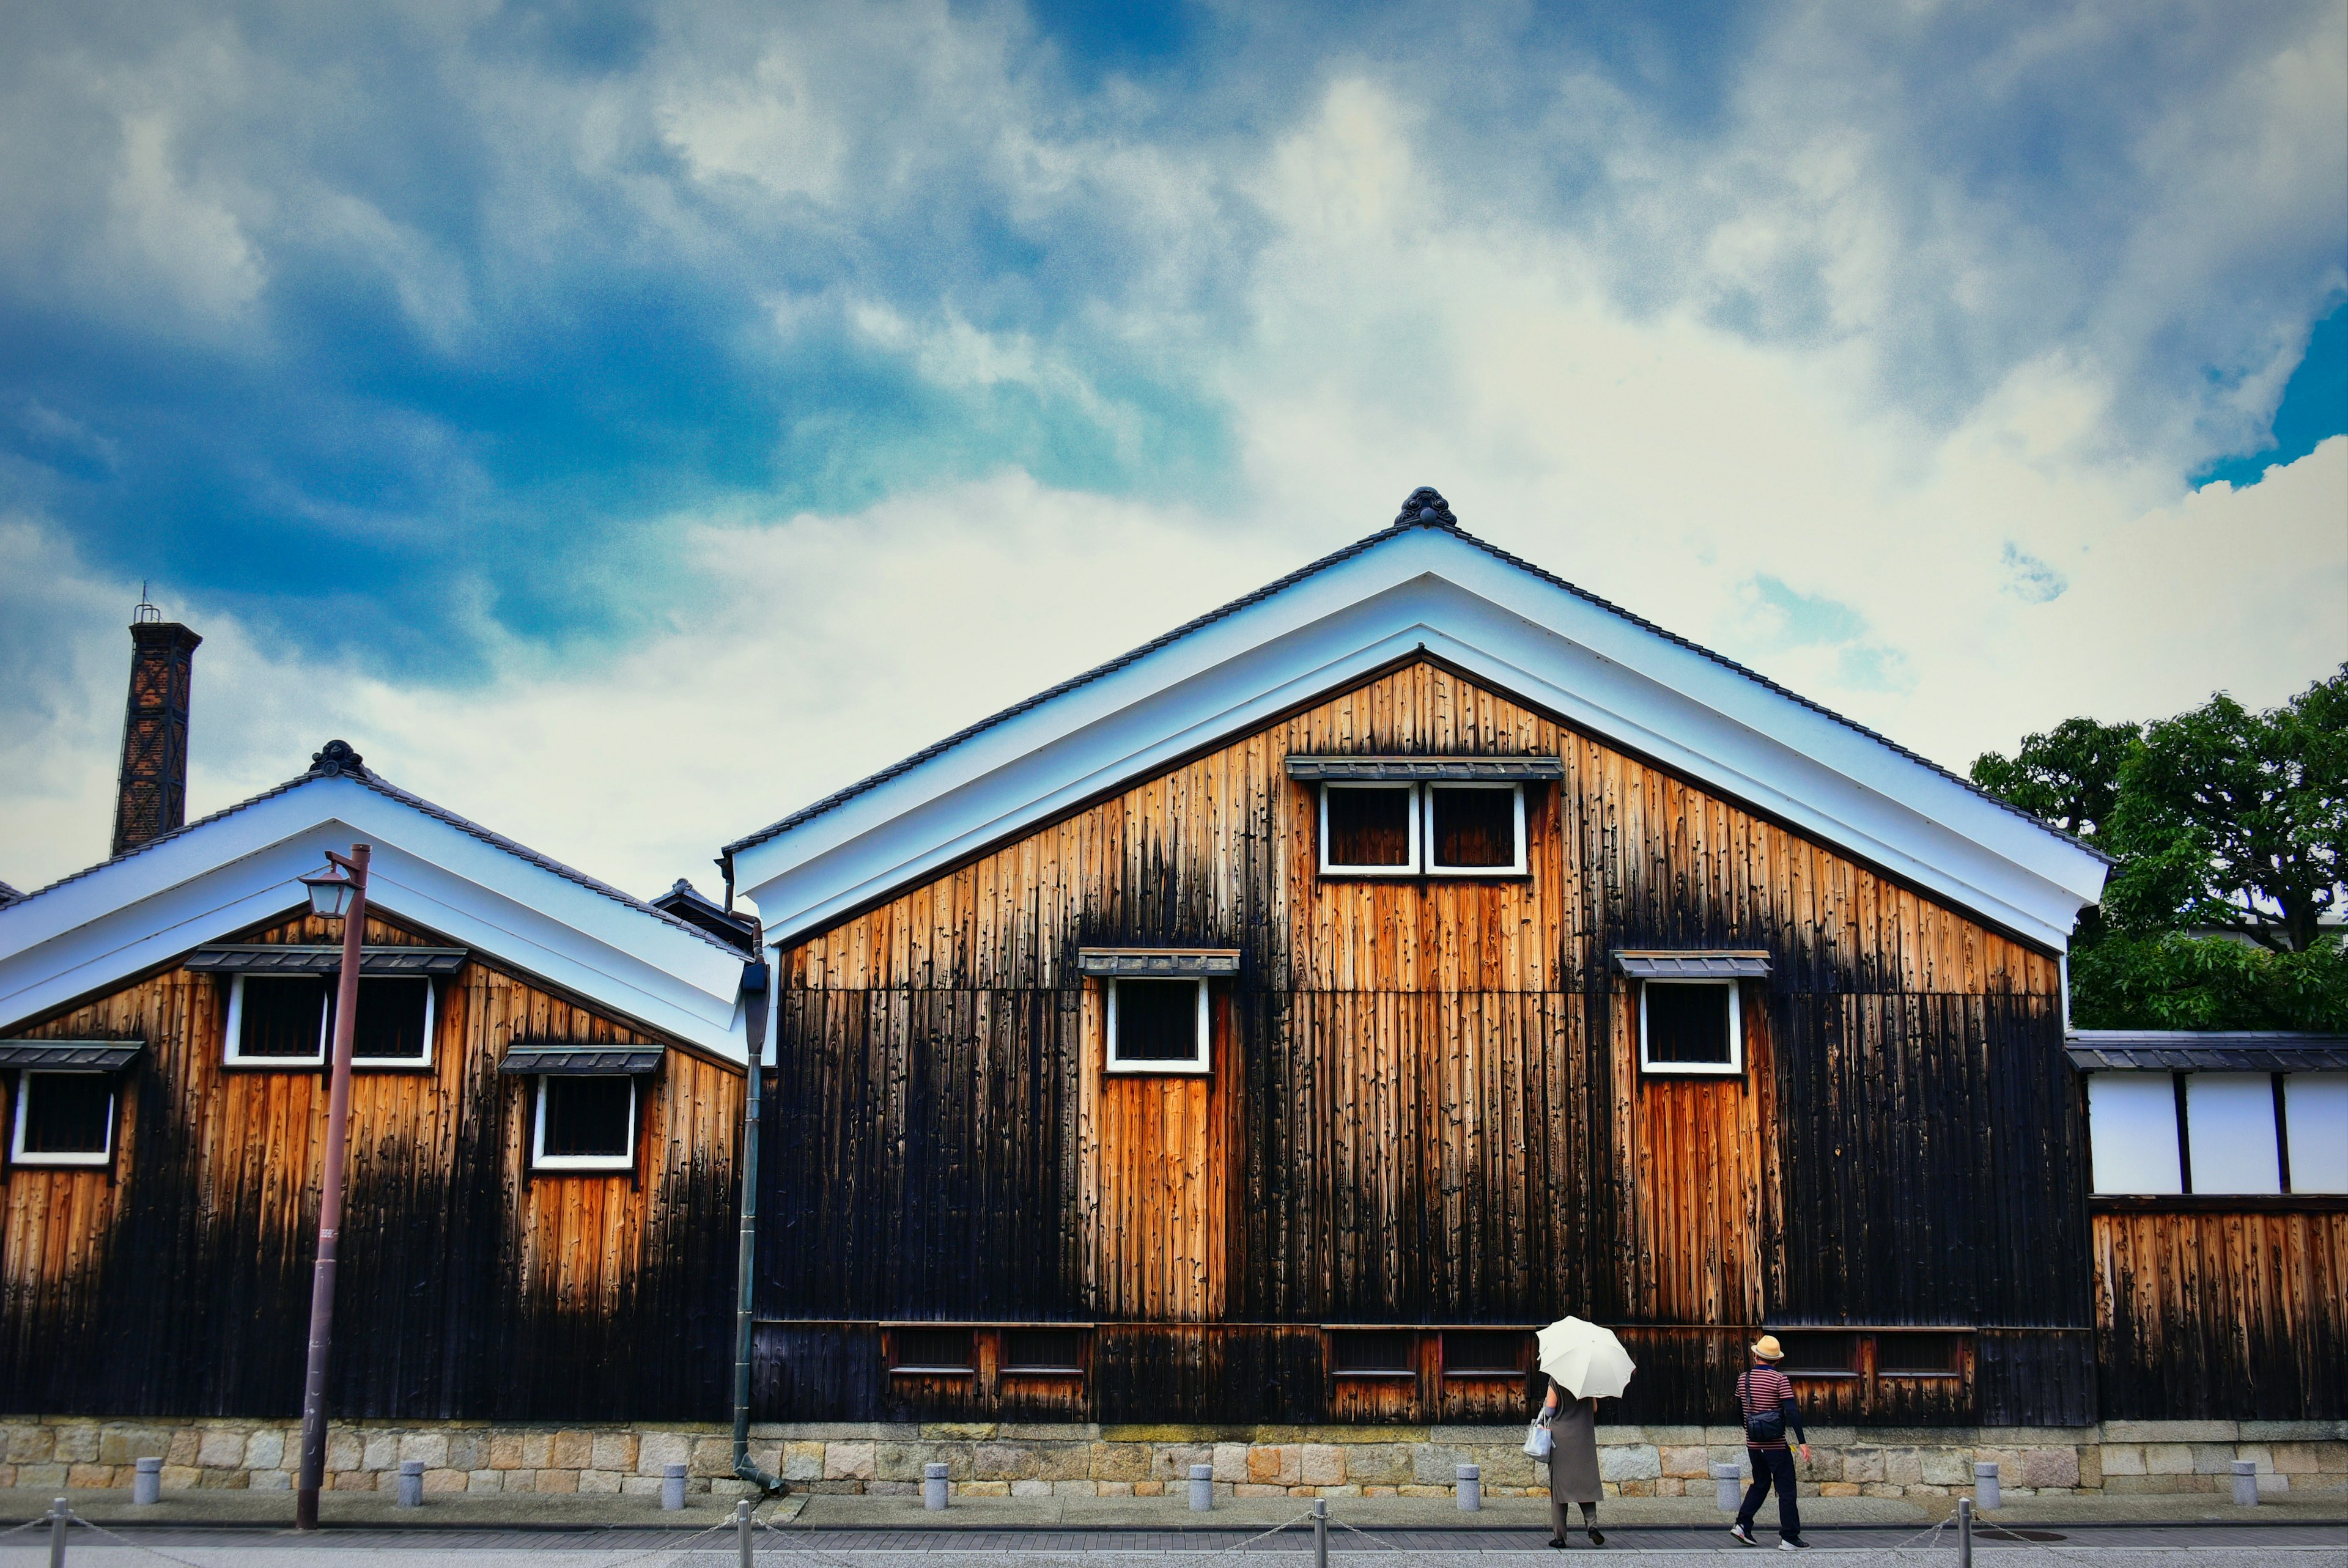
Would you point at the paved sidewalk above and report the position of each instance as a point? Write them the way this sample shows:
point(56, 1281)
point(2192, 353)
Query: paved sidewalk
point(832, 1511)
point(2282, 1545)
point(483, 1532)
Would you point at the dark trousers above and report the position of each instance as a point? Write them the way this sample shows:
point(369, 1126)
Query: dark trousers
point(1772, 1465)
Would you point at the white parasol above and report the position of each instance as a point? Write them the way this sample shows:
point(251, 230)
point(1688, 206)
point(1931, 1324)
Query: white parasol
point(1585, 1361)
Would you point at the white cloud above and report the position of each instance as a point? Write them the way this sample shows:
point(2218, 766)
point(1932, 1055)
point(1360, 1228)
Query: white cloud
point(1873, 425)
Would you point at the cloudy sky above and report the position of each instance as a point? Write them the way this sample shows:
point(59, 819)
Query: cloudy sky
point(625, 423)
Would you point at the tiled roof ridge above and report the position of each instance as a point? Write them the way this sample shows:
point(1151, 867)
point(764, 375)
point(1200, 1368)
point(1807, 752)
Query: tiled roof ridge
point(1425, 508)
point(331, 763)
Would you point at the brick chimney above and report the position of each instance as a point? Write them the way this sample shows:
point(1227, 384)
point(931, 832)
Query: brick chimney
point(153, 797)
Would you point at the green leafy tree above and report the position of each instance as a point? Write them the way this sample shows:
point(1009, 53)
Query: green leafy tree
point(2069, 776)
point(2234, 821)
point(2219, 820)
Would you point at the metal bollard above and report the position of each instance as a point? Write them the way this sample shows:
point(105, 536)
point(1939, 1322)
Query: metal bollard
point(1725, 1486)
point(742, 1529)
point(933, 1487)
point(1985, 1483)
point(672, 1488)
point(1964, 1532)
point(1202, 1487)
point(147, 1486)
point(1319, 1533)
point(411, 1483)
point(58, 1533)
point(2246, 1483)
point(1471, 1488)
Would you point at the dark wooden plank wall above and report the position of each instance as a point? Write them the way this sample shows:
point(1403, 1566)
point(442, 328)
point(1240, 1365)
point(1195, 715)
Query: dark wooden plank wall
point(1424, 1109)
point(179, 1283)
point(2229, 1314)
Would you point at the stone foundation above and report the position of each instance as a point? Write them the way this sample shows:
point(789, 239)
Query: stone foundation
point(992, 1459)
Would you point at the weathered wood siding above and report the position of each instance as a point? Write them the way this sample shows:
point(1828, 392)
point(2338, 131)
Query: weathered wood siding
point(178, 1283)
point(1425, 1108)
point(2232, 1314)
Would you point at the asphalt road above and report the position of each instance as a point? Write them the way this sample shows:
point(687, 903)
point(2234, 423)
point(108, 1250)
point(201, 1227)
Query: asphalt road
point(2226, 1546)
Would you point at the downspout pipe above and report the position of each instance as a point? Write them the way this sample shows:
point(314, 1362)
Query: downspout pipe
point(754, 998)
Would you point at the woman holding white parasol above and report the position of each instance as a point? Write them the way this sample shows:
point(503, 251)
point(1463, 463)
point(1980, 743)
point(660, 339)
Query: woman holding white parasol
point(1584, 1364)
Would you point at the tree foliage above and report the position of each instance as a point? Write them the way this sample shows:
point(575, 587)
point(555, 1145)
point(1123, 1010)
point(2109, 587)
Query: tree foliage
point(2229, 830)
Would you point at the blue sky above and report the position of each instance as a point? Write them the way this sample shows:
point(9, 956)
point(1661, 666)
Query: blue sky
point(792, 384)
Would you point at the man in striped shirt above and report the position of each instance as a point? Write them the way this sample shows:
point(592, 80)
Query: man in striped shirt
point(1766, 1398)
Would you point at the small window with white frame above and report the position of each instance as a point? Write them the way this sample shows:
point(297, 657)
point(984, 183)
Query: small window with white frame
point(277, 1020)
point(63, 1119)
point(584, 1122)
point(1369, 829)
point(1432, 829)
point(1157, 1025)
point(1474, 829)
point(396, 1013)
point(1691, 1027)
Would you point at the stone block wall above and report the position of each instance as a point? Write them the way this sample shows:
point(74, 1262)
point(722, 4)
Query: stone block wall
point(1007, 1460)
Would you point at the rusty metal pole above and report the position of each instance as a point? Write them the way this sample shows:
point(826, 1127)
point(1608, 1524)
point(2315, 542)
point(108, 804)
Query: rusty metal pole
point(330, 1199)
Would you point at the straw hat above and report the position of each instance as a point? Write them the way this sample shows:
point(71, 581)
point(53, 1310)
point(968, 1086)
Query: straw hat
point(1767, 1348)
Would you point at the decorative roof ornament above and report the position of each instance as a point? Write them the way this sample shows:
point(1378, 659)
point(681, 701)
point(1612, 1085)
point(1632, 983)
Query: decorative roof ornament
point(337, 761)
point(145, 612)
point(1425, 506)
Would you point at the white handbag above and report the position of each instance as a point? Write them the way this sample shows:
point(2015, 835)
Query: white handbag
point(1538, 1440)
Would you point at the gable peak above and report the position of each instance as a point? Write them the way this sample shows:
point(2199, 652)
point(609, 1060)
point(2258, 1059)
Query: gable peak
point(1426, 508)
point(337, 760)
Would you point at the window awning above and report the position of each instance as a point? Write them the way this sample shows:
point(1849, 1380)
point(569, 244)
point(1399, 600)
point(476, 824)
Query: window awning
point(1441, 770)
point(70, 1055)
point(1682, 965)
point(2205, 1051)
point(1174, 963)
point(570, 1057)
point(285, 959)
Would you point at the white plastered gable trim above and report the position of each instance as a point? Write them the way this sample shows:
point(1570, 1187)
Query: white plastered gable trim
point(221, 877)
point(1428, 589)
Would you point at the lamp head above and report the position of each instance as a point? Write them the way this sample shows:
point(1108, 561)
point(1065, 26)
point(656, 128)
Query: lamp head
point(330, 893)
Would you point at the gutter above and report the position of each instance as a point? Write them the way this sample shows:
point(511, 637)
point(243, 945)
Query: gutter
point(754, 1004)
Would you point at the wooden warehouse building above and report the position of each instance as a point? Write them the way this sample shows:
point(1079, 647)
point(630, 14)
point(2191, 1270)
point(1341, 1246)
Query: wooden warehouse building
point(546, 1095)
point(1274, 1024)
point(1237, 1049)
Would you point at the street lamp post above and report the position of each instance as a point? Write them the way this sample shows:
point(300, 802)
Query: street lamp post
point(334, 897)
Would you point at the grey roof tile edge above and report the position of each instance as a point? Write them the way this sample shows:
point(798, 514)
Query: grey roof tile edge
point(382, 787)
point(9, 895)
point(937, 748)
point(2210, 1061)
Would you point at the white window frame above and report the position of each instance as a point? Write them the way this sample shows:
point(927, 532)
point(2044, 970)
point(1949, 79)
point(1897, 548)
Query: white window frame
point(1204, 1040)
point(1516, 867)
point(1733, 1067)
point(431, 1023)
point(234, 1054)
point(17, 1154)
point(539, 1160)
point(1414, 815)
